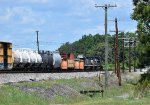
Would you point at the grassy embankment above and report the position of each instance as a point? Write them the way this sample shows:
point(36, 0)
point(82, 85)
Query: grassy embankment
point(10, 95)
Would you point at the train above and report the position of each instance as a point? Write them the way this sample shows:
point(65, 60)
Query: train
point(26, 59)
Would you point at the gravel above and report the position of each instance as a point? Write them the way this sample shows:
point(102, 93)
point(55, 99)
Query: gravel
point(54, 91)
point(21, 77)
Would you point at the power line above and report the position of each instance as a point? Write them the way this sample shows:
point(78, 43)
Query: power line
point(105, 7)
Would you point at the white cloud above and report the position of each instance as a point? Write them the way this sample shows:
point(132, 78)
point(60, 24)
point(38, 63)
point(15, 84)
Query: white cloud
point(94, 30)
point(20, 15)
point(6, 17)
point(82, 7)
point(35, 1)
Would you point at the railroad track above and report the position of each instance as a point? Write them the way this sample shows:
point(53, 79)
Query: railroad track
point(53, 71)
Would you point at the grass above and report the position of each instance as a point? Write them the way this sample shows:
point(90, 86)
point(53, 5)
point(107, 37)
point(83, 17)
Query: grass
point(10, 95)
point(113, 101)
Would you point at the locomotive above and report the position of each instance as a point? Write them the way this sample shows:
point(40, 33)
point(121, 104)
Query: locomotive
point(26, 59)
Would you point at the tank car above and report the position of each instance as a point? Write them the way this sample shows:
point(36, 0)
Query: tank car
point(26, 59)
point(47, 59)
point(51, 60)
point(56, 60)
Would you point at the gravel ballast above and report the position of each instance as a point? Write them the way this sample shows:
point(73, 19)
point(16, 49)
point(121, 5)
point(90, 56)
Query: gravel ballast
point(19, 77)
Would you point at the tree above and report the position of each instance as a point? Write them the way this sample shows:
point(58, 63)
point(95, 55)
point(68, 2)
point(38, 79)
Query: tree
point(142, 15)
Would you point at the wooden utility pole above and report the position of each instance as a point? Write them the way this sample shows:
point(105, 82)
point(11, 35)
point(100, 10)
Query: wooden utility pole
point(130, 55)
point(117, 53)
point(123, 52)
point(131, 41)
point(134, 54)
point(105, 7)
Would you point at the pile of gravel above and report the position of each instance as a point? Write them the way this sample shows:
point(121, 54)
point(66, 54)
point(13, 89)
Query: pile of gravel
point(55, 90)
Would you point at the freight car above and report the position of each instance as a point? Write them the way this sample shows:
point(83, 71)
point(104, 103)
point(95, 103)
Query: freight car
point(26, 59)
point(6, 61)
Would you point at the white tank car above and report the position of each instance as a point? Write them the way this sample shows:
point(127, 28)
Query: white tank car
point(23, 56)
point(26, 55)
point(56, 59)
point(31, 55)
point(38, 56)
point(17, 56)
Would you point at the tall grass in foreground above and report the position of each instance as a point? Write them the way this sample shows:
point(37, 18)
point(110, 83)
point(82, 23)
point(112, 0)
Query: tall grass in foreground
point(11, 96)
point(142, 88)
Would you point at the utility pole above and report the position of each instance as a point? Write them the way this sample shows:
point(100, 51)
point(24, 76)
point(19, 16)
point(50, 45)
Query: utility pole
point(117, 53)
point(105, 7)
point(38, 41)
point(130, 55)
point(131, 41)
point(134, 54)
point(123, 52)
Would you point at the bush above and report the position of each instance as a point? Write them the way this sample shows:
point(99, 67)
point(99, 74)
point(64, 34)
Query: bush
point(143, 86)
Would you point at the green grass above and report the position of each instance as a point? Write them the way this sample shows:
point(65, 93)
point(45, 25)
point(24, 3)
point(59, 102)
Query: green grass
point(114, 101)
point(10, 95)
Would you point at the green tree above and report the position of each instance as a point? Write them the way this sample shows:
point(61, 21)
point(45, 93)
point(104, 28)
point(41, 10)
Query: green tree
point(94, 45)
point(142, 15)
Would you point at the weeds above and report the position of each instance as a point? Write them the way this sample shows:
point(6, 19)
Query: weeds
point(143, 86)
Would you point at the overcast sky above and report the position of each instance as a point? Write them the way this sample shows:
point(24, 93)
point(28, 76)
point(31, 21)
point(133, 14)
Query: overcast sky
point(58, 21)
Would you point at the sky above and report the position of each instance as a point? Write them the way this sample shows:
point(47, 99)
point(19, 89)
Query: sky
point(59, 21)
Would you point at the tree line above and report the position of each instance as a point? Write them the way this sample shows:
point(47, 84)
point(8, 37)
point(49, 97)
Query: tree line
point(94, 45)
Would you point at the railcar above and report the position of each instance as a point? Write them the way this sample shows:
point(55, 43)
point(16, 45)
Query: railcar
point(6, 61)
